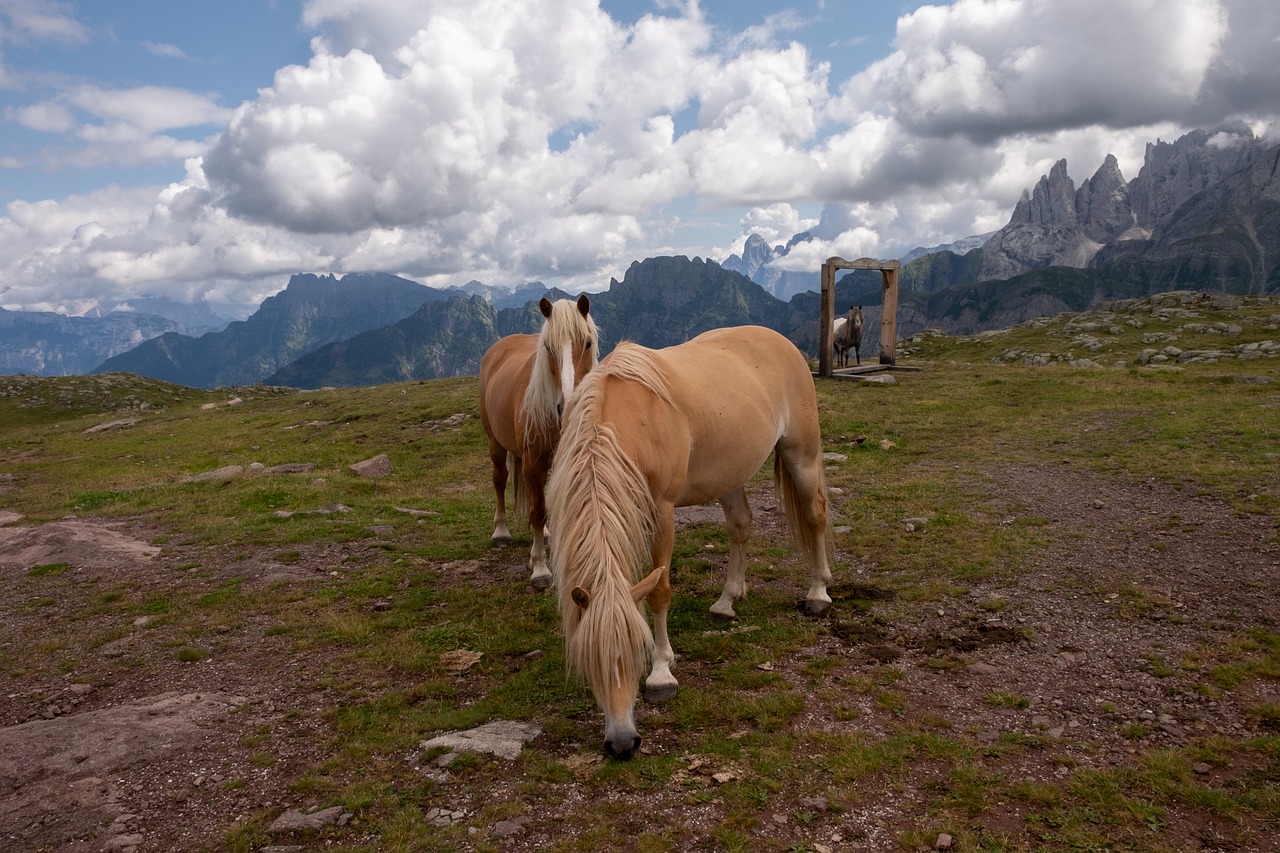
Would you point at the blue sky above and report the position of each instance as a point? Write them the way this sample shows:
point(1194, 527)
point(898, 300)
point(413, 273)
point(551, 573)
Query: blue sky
point(206, 151)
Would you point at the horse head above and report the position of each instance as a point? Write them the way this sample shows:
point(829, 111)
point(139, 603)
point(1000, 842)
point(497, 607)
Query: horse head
point(570, 341)
point(568, 348)
point(615, 676)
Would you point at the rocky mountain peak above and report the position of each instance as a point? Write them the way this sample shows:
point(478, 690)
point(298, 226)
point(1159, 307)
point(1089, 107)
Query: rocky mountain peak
point(1102, 204)
point(756, 252)
point(1172, 172)
point(1057, 225)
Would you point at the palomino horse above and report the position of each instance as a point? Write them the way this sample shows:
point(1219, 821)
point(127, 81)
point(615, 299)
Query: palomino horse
point(650, 430)
point(524, 381)
point(847, 335)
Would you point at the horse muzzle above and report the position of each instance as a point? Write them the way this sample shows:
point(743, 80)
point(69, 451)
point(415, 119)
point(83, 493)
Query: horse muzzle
point(622, 746)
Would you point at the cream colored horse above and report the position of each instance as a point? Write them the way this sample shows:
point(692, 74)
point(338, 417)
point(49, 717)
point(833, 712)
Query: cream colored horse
point(650, 430)
point(524, 381)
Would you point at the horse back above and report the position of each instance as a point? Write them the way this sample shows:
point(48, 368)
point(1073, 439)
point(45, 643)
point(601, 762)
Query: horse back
point(732, 395)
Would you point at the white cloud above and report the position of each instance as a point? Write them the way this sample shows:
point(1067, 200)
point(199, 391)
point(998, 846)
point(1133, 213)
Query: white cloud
point(986, 69)
point(40, 20)
point(508, 141)
point(171, 51)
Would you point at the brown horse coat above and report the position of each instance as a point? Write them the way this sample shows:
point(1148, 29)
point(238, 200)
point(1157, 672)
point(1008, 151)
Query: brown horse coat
point(524, 380)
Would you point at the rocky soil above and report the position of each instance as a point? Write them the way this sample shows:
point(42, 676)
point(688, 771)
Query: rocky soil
point(163, 756)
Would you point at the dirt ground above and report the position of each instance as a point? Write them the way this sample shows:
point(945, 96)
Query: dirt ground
point(93, 759)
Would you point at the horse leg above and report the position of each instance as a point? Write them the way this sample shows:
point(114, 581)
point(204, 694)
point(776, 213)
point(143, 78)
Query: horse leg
point(535, 479)
point(501, 533)
point(798, 475)
point(737, 518)
point(661, 686)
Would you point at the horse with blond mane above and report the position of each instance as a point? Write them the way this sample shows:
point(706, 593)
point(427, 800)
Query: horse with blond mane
point(847, 335)
point(524, 381)
point(650, 430)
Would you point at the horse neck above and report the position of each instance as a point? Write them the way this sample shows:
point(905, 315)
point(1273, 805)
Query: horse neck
point(603, 512)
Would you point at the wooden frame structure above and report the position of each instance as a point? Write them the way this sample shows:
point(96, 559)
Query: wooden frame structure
point(888, 308)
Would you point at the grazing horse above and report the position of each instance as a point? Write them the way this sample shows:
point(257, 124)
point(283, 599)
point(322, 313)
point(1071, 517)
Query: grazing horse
point(650, 430)
point(524, 382)
point(847, 335)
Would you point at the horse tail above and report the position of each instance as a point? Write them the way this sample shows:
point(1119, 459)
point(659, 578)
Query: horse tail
point(806, 514)
point(519, 494)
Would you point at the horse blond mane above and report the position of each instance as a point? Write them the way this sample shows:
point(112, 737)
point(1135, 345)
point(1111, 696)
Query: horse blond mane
point(603, 510)
point(542, 398)
point(635, 363)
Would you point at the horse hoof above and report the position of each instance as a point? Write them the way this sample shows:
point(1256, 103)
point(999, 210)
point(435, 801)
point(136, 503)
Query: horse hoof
point(814, 607)
point(499, 541)
point(540, 582)
point(660, 694)
point(720, 618)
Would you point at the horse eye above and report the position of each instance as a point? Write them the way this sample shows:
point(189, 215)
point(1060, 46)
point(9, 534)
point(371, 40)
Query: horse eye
point(587, 345)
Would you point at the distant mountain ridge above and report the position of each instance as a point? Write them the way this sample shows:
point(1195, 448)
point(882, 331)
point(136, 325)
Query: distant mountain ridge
point(659, 302)
point(1079, 246)
point(310, 312)
point(42, 343)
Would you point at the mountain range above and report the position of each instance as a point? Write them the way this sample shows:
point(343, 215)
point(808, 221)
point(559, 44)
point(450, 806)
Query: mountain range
point(1203, 213)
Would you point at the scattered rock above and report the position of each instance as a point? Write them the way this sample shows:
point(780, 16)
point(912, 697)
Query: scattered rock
point(378, 466)
point(944, 842)
point(9, 517)
point(295, 820)
point(503, 738)
point(444, 817)
point(290, 468)
point(76, 543)
point(415, 512)
point(324, 510)
point(504, 828)
point(459, 661)
point(226, 472)
point(120, 424)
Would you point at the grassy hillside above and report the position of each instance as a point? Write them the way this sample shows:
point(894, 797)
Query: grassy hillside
point(340, 598)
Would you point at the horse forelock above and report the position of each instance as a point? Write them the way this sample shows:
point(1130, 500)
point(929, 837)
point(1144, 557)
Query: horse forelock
point(603, 513)
point(565, 326)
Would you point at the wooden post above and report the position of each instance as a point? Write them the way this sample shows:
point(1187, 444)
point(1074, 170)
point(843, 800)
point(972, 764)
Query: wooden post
point(827, 316)
point(889, 315)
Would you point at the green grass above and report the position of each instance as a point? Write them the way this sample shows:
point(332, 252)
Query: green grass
point(367, 601)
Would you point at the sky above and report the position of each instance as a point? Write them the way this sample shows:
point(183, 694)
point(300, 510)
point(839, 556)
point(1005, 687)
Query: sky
point(204, 151)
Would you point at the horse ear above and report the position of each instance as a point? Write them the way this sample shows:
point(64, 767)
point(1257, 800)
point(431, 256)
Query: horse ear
point(581, 597)
point(544, 305)
point(584, 304)
point(646, 586)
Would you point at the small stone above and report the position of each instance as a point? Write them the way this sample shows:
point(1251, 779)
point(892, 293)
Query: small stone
point(1200, 768)
point(378, 466)
point(504, 828)
point(944, 842)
